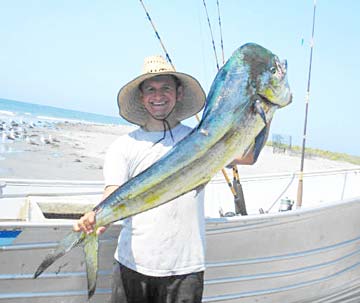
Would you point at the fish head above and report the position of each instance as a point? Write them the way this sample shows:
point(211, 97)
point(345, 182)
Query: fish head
point(266, 88)
point(267, 75)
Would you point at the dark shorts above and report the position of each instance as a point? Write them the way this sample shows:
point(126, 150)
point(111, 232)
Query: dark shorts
point(129, 286)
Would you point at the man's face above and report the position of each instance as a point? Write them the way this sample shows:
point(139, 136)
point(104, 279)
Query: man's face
point(159, 95)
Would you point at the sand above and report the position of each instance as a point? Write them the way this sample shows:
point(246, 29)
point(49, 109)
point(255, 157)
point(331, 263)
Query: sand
point(76, 152)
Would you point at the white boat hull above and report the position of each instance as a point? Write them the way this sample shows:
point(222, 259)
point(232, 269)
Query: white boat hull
point(300, 256)
point(307, 255)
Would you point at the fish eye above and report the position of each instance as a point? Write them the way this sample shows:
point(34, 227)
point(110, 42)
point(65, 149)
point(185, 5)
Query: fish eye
point(273, 70)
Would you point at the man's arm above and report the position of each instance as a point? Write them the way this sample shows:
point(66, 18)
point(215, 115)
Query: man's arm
point(109, 190)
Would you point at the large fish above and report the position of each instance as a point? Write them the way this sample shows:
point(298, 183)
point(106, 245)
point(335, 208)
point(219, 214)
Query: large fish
point(242, 100)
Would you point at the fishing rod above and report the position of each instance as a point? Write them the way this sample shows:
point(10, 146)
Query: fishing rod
point(161, 43)
point(239, 198)
point(212, 36)
point(168, 58)
point(211, 33)
point(221, 37)
point(307, 97)
point(234, 186)
point(157, 35)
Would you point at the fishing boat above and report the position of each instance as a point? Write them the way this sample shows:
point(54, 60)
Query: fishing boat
point(273, 254)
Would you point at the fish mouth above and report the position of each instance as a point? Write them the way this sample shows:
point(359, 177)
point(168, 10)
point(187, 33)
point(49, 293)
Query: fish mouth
point(266, 102)
point(262, 106)
point(281, 100)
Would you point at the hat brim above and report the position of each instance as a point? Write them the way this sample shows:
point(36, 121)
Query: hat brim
point(132, 109)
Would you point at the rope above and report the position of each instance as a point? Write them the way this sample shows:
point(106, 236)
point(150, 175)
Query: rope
point(157, 34)
point(212, 37)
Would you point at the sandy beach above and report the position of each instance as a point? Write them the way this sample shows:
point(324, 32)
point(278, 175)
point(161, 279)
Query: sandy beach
point(75, 151)
point(64, 151)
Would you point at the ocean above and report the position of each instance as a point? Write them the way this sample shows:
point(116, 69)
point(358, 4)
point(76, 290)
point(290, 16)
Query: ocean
point(11, 109)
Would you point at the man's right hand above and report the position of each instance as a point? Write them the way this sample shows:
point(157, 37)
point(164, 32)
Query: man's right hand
point(87, 223)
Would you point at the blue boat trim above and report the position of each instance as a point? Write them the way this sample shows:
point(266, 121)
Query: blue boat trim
point(8, 236)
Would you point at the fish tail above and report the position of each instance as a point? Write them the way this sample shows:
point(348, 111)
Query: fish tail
point(91, 245)
point(69, 242)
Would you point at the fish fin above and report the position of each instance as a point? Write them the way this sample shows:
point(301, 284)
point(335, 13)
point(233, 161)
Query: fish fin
point(91, 247)
point(260, 111)
point(260, 142)
point(69, 242)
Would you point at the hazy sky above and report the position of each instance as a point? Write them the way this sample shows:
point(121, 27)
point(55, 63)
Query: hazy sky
point(77, 54)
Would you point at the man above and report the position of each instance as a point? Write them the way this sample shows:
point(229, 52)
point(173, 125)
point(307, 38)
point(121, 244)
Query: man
point(160, 253)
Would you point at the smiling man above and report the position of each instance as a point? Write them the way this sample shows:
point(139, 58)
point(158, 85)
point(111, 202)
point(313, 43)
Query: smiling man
point(159, 96)
point(160, 252)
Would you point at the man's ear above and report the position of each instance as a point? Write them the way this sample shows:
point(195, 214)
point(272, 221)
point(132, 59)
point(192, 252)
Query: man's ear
point(179, 93)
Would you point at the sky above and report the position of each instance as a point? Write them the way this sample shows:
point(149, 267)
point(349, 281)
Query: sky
point(77, 54)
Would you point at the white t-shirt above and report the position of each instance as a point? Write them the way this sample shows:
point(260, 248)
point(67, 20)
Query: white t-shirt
point(166, 240)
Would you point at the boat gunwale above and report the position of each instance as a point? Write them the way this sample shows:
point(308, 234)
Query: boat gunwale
point(314, 210)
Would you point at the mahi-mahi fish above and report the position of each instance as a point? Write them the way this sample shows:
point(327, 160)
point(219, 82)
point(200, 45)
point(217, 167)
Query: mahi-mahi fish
point(242, 100)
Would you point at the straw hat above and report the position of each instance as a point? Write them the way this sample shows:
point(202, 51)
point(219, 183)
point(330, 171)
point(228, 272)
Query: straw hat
point(131, 107)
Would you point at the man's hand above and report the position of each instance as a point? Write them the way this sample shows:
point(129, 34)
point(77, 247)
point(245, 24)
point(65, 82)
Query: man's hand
point(87, 223)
